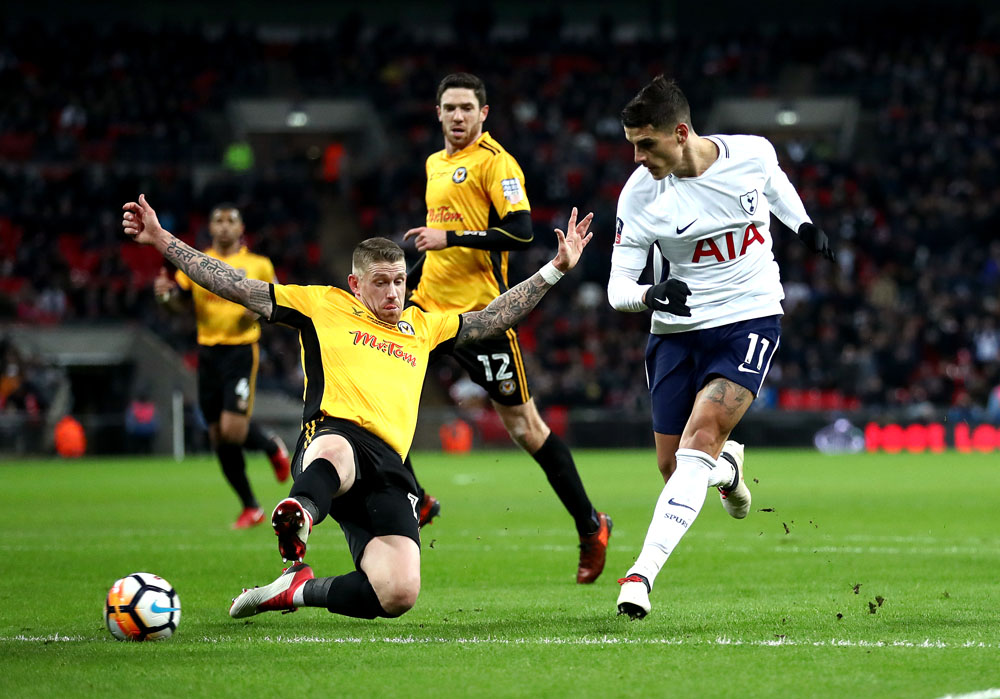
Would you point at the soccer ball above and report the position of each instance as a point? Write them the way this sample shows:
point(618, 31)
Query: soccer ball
point(142, 607)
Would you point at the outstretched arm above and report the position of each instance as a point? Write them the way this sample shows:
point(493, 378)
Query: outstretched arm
point(141, 224)
point(508, 309)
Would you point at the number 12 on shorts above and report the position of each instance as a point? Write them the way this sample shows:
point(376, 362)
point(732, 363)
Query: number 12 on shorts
point(503, 373)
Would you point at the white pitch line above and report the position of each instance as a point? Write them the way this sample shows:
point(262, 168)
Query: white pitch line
point(556, 641)
point(981, 694)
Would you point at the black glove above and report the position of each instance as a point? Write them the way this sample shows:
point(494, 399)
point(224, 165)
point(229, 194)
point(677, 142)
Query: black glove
point(816, 240)
point(670, 296)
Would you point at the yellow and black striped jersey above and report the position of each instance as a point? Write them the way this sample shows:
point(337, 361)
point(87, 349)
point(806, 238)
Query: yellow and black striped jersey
point(222, 322)
point(470, 190)
point(356, 367)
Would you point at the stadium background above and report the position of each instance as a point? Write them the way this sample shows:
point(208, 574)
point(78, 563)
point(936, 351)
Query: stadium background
point(316, 119)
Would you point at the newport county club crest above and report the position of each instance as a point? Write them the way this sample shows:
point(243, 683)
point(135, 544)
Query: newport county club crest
point(405, 327)
point(508, 387)
point(749, 201)
point(458, 177)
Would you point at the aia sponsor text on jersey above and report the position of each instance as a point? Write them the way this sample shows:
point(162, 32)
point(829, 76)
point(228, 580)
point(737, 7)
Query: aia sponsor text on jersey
point(730, 249)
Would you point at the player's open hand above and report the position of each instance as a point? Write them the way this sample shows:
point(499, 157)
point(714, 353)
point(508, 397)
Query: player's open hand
point(139, 221)
point(571, 244)
point(427, 238)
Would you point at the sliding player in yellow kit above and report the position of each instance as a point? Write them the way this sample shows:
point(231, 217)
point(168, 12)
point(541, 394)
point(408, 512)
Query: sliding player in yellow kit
point(365, 359)
point(478, 211)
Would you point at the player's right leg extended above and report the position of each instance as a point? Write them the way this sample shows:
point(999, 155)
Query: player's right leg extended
point(327, 471)
point(387, 585)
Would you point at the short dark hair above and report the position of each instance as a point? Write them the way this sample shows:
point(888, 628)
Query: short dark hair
point(372, 250)
point(466, 80)
point(226, 206)
point(660, 104)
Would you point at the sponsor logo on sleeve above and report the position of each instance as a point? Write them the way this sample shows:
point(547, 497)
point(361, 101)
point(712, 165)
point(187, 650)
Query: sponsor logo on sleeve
point(619, 225)
point(512, 191)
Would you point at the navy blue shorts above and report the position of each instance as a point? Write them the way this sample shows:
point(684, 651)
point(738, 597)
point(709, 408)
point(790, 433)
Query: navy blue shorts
point(679, 365)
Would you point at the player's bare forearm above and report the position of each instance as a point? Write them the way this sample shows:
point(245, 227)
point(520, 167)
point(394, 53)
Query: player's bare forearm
point(508, 309)
point(216, 276)
point(504, 312)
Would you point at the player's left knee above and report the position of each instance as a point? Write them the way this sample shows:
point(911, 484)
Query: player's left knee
point(398, 595)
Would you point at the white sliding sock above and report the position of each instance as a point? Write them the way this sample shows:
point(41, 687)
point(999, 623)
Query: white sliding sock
point(679, 503)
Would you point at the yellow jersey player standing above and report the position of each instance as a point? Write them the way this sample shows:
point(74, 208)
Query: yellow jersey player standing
point(365, 359)
point(478, 211)
point(227, 360)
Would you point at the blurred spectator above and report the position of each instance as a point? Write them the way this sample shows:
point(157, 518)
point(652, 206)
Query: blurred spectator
point(964, 410)
point(141, 423)
point(993, 406)
point(21, 384)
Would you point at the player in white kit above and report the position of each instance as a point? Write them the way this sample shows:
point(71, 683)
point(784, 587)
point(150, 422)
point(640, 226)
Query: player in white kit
point(704, 205)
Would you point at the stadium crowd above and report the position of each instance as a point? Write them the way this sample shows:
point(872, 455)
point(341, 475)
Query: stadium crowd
point(907, 318)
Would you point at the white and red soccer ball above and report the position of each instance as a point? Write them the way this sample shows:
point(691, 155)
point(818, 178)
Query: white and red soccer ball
point(142, 607)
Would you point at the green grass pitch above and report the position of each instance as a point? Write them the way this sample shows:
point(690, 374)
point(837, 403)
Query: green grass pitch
point(854, 576)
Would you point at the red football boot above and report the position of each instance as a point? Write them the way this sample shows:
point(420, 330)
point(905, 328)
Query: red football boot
point(593, 549)
point(276, 597)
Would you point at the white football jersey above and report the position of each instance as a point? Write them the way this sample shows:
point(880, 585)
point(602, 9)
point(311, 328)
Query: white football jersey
point(713, 229)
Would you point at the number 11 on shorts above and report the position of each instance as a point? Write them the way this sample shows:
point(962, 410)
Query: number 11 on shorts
point(748, 364)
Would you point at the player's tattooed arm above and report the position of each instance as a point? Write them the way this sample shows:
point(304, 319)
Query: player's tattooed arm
point(504, 312)
point(141, 224)
point(219, 278)
point(509, 308)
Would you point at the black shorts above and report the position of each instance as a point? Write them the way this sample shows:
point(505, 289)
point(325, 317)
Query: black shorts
point(383, 500)
point(495, 364)
point(227, 379)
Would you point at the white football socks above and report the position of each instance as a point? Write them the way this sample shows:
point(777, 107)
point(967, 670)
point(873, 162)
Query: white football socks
point(679, 503)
